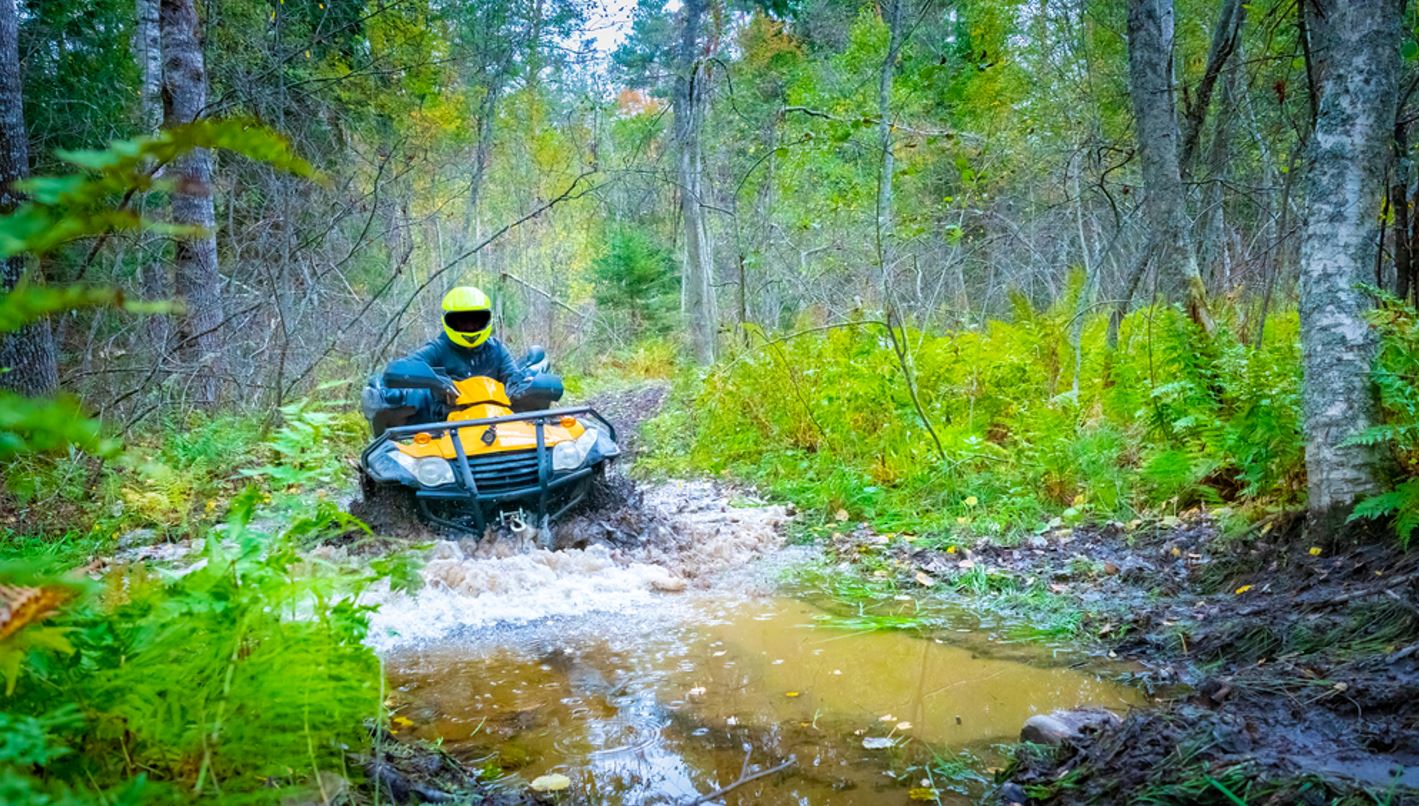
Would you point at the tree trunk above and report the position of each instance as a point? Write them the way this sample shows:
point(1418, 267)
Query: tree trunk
point(688, 107)
point(1355, 45)
point(198, 283)
point(1399, 202)
point(1150, 79)
point(27, 357)
point(153, 277)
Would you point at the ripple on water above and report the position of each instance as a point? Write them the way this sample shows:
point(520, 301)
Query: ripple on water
point(655, 709)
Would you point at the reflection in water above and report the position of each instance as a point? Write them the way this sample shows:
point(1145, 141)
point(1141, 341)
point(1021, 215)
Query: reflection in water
point(660, 710)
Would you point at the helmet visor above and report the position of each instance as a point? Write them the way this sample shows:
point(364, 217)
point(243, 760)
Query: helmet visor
point(468, 321)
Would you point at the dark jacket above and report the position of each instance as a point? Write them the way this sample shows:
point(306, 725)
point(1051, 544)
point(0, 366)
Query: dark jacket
point(490, 359)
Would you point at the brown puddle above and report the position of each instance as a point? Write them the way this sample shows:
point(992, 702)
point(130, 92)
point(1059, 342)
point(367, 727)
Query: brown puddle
point(661, 709)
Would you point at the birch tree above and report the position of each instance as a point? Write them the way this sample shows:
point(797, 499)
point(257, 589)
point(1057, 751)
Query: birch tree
point(1356, 48)
point(27, 357)
point(197, 279)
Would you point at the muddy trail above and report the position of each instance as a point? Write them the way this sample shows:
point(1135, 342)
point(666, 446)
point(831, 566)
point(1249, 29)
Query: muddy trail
point(656, 656)
point(1281, 671)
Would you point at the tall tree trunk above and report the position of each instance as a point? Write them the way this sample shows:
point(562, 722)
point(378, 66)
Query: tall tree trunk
point(1355, 44)
point(198, 282)
point(1150, 79)
point(27, 356)
point(153, 277)
point(688, 107)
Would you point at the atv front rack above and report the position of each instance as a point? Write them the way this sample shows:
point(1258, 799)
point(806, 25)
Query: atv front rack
point(465, 489)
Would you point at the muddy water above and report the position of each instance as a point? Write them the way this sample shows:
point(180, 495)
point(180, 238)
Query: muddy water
point(660, 704)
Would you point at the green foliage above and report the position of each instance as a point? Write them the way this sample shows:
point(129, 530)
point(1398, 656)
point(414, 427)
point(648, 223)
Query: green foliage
point(1396, 372)
point(1157, 425)
point(637, 282)
point(62, 208)
point(241, 676)
point(308, 447)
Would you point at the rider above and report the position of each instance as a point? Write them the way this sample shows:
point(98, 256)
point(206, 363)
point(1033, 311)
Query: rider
point(467, 348)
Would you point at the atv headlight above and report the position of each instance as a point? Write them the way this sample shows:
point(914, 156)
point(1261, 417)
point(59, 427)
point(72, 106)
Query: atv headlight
point(570, 455)
point(433, 472)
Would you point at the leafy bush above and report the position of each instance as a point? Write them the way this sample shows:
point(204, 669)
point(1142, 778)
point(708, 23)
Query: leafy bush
point(1158, 424)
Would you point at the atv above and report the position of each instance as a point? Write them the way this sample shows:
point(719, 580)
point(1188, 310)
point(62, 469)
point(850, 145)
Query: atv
point(492, 460)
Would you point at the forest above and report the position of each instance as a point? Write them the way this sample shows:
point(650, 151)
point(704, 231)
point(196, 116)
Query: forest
point(950, 401)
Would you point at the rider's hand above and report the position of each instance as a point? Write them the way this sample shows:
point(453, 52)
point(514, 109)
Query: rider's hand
point(450, 394)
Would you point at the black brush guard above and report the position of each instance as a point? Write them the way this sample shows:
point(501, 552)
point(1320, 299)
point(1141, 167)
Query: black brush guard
point(491, 480)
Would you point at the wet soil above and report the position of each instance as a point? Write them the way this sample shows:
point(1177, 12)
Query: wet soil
point(1281, 671)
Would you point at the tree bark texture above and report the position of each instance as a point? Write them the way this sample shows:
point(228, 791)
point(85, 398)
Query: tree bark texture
point(1355, 46)
point(688, 107)
point(27, 356)
point(1150, 79)
point(153, 277)
point(197, 280)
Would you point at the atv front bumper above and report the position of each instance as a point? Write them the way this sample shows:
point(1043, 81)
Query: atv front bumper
point(484, 484)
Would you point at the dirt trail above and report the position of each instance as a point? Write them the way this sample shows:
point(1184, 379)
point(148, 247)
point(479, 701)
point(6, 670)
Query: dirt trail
point(1284, 671)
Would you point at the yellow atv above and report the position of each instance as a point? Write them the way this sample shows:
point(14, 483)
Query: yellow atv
point(486, 463)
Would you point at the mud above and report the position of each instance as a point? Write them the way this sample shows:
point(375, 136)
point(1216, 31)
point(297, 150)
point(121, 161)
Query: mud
point(1283, 672)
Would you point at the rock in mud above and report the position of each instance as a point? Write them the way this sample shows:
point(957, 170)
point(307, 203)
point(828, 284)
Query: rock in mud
point(1067, 727)
point(1011, 793)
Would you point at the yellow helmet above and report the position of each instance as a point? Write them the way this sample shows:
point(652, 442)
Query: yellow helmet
point(467, 316)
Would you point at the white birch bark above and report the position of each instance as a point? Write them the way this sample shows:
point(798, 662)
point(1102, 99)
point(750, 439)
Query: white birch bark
point(1356, 47)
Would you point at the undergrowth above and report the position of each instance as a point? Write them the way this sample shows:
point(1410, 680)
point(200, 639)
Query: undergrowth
point(242, 677)
point(1166, 422)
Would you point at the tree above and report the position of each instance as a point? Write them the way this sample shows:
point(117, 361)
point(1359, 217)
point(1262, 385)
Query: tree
point(198, 282)
point(27, 356)
point(1150, 85)
point(1355, 46)
point(688, 100)
point(152, 268)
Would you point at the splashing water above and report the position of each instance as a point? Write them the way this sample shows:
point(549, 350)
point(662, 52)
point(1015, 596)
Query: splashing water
point(692, 530)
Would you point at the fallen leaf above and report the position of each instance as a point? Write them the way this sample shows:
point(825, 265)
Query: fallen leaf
point(841, 515)
point(950, 549)
point(886, 718)
point(696, 692)
point(554, 782)
point(402, 721)
point(791, 693)
point(904, 726)
point(966, 565)
point(1243, 589)
point(877, 743)
point(1315, 551)
point(971, 500)
point(921, 793)
point(924, 579)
